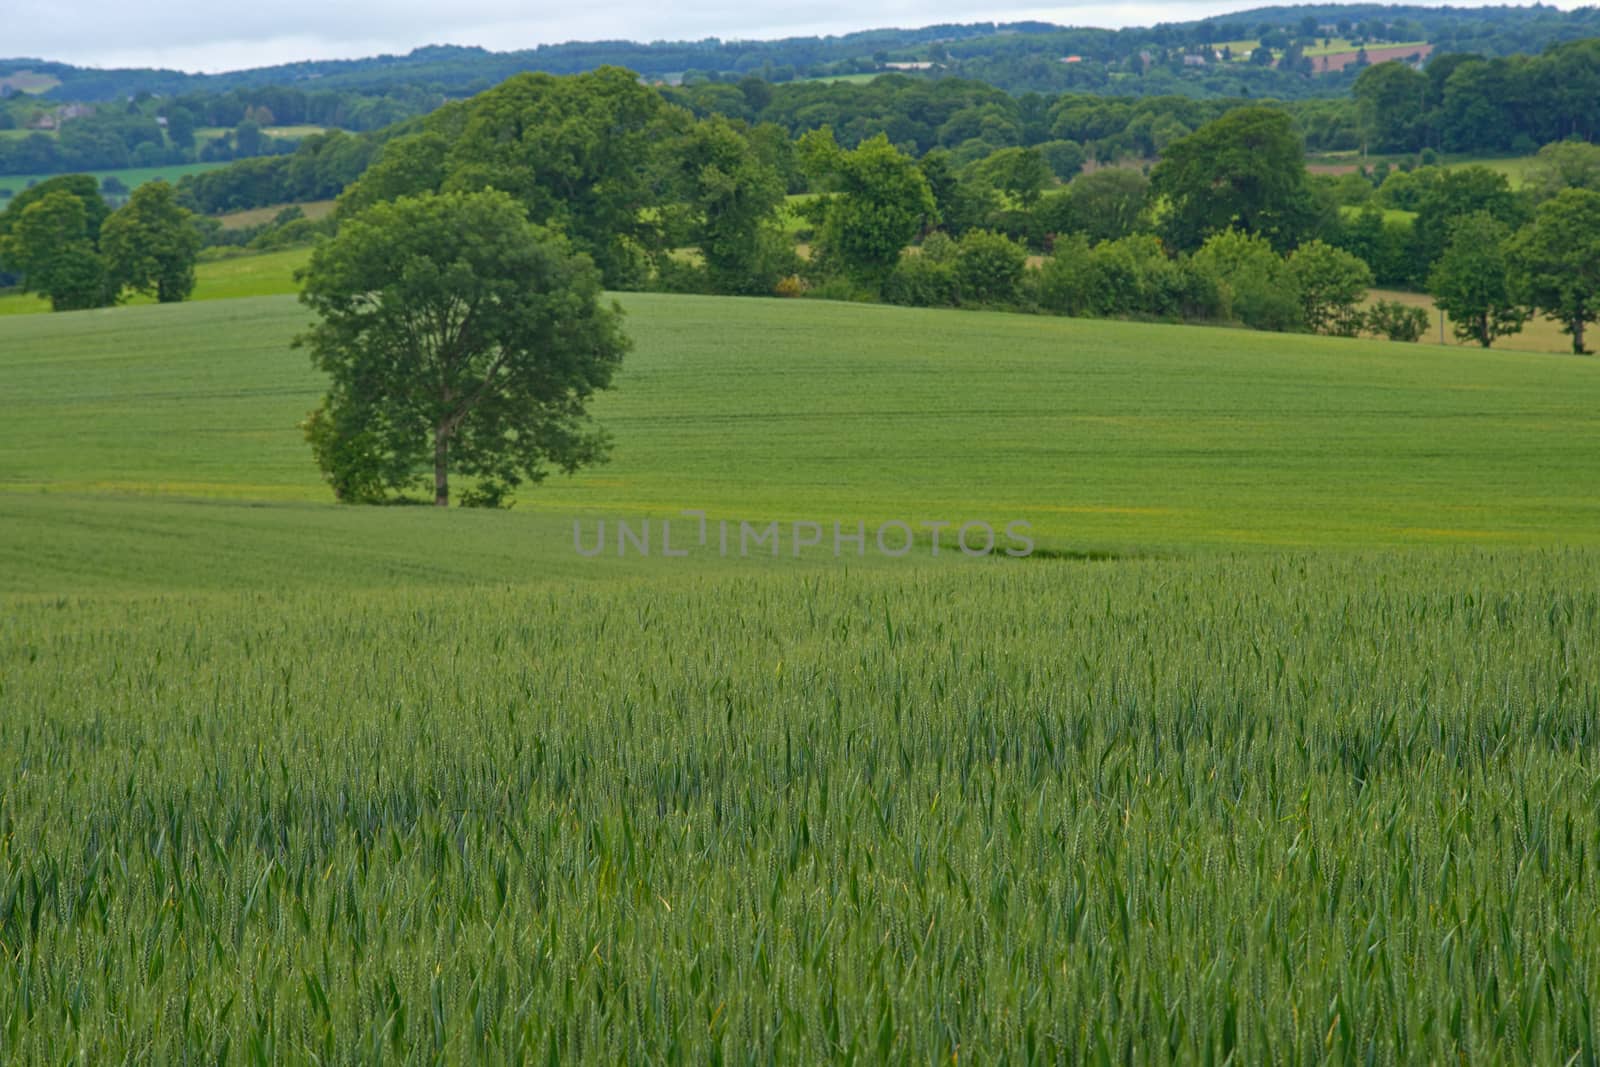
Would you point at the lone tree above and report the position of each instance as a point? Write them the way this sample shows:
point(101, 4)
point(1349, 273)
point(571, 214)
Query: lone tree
point(150, 244)
point(458, 335)
point(1471, 283)
point(1555, 262)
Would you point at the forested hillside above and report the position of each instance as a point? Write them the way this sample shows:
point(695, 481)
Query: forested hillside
point(1013, 56)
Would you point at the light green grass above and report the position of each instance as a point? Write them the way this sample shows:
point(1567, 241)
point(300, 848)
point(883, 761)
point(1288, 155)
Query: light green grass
point(853, 79)
point(255, 274)
point(1515, 168)
point(1390, 214)
point(1107, 436)
point(132, 177)
point(1305, 772)
point(205, 133)
point(312, 209)
point(28, 81)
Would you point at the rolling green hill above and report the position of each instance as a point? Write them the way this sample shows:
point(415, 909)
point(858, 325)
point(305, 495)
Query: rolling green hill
point(1299, 764)
point(1107, 437)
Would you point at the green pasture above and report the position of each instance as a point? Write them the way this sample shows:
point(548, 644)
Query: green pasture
point(132, 177)
point(1280, 748)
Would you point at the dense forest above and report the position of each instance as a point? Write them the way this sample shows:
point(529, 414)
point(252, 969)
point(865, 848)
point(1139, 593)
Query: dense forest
point(1460, 104)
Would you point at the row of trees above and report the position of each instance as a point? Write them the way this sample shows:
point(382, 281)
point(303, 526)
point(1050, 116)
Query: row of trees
point(64, 243)
point(1491, 279)
point(1233, 232)
point(971, 120)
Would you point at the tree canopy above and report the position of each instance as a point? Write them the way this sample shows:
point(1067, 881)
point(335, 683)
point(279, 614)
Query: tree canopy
point(1245, 171)
point(459, 338)
point(1555, 261)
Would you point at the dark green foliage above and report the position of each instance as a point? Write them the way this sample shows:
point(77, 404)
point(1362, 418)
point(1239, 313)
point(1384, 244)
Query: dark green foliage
point(458, 337)
point(1392, 99)
point(988, 267)
point(1019, 173)
point(1555, 262)
point(1451, 195)
point(878, 198)
point(1563, 165)
point(1471, 283)
point(50, 241)
point(577, 153)
point(1108, 203)
point(922, 281)
point(1132, 276)
point(1388, 246)
point(406, 166)
point(724, 201)
point(1396, 321)
point(1245, 171)
point(150, 244)
point(1331, 284)
point(1261, 291)
point(960, 201)
point(1064, 158)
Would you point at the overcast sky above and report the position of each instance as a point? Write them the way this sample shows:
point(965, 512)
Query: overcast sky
point(207, 35)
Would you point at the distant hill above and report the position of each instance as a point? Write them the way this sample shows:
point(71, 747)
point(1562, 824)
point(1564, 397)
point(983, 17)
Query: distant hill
point(1013, 56)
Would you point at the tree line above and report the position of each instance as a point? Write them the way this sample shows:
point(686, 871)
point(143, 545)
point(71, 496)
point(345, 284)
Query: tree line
point(64, 242)
point(656, 195)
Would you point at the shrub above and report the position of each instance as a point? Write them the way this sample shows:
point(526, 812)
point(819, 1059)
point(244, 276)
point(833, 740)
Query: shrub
point(792, 286)
point(1261, 292)
point(1065, 283)
point(921, 281)
point(1397, 321)
point(1331, 283)
point(939, 247)
point(988, 267)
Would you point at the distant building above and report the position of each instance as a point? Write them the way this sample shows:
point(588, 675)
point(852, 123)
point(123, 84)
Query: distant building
point(1072, 59)
point(923, 65)
point(1194, 61)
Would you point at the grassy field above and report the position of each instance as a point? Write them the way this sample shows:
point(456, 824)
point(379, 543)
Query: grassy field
point(1515, 168)
point(27, 81)
point(238, 220)
point(264, 274)
point(1219, 810)
point(132, 177)
point(1299, 765)
point(854, 79)
point(1109, 437)
point(205, 133)
point(1538, 334)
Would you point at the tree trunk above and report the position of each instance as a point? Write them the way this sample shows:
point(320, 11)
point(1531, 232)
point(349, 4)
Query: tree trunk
point(1577, 337)
point(441, 474)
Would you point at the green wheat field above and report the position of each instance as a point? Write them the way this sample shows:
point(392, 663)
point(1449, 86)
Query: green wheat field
point(1281, 749)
